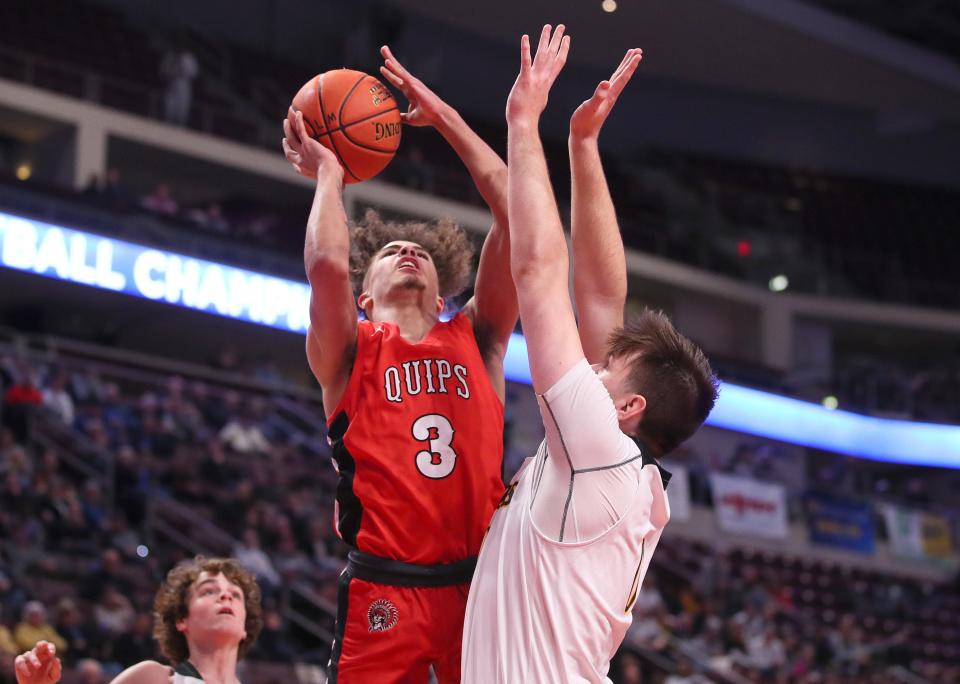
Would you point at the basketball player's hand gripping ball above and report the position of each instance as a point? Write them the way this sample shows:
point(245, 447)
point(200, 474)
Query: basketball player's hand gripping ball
point(351, 114)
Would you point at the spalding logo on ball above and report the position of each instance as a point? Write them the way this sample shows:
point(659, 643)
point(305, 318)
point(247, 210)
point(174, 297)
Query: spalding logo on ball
point(354, 115)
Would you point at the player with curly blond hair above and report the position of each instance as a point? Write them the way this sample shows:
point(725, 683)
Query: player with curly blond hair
point(414, 404)
point(206, 618)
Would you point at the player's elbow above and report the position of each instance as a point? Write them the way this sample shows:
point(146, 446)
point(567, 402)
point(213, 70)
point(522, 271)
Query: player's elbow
point(532, 265)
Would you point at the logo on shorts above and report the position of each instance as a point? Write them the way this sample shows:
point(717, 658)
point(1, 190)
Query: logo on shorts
point(382, 615)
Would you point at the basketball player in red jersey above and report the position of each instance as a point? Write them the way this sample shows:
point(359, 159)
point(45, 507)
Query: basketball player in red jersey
point(414, 405)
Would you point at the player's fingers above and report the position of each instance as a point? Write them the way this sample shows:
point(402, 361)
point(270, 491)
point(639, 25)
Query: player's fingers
point(289, 128)
point(556, 40)
point(524, 53)
point(32, 660)
point(391, 76)
point(544, 42)
point(301, 127)
point(288, 133)
point(22, 667)
point(289, 152)
point(623, 62)
point(564, 50)
point(56, 670)
point(620, 82)
point(388, 55)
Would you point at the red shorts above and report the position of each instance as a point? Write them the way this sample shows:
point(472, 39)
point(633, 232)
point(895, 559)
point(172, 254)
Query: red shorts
point(393, 635)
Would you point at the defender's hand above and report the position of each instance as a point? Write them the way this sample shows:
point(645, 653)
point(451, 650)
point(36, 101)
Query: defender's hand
point(590, 116)
point(425, 107)
point(528, 98)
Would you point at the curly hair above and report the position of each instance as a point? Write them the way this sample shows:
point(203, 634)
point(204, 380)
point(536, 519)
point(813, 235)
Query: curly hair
point(448, 246)
point(171, 604)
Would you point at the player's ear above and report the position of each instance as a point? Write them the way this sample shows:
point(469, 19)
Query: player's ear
point(363, 300)
point(440, 304)
point(631, 408)
point(181, 625)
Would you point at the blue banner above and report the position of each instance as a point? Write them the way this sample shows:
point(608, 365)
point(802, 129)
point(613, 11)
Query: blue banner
point(839, 522)
point(97, 261)
point(102, 262)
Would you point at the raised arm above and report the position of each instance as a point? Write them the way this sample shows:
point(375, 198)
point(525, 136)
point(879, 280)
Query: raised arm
point(326, 258)
point(599, 264)
point(493, 308)
point(539, 259)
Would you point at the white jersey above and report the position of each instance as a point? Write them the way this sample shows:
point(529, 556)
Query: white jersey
point(567, 548)
point(185, 673)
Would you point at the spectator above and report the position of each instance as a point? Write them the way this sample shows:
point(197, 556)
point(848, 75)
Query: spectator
point(113, 613)
point(160, 201)
point(34, 627)
point(243, 435)
point(80, 634)
point(254, 559)
point(113, 192)
point(273, 644)
point(107, 572)
point(7, 645)
point(20, 404)
point(58, 400)
point(137, 643)
point(94, 508)
point(178, 68)
point(90, 672)
point(210, 218)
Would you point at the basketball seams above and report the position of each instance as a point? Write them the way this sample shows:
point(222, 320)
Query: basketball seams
point(360, 121)
point(343, 127)
point(323, 115)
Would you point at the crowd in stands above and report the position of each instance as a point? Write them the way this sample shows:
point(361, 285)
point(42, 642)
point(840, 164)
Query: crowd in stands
point(764, 617)
point(79, 562)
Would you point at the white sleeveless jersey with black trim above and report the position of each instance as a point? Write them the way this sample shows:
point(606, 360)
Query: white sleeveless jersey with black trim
point(567, 548)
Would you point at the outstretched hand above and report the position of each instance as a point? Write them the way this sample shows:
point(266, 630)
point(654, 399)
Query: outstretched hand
point(40, 665)
point(590, 116)
point(425, 107)
point(528, 98)
point(307, 155)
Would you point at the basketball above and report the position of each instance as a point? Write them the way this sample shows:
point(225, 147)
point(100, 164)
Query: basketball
point(354, 115)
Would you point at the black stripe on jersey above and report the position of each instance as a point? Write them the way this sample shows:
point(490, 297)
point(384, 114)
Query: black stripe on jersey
point(187, 669)
point(635, 587)
point(566, 506)
point(343, 602)
point(350, 508)
point(644, 455)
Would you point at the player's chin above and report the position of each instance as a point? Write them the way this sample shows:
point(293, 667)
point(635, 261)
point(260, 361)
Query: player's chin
point(411, 280)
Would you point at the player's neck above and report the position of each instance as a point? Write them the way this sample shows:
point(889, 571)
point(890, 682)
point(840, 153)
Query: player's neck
point(414, 322)
point(217, 665)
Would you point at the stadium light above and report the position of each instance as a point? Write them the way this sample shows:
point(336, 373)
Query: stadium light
point(74, 256)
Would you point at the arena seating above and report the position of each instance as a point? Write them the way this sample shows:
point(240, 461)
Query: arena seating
point(167, 439)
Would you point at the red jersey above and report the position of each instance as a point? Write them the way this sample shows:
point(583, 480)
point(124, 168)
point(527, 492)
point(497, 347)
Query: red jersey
point(418, 445)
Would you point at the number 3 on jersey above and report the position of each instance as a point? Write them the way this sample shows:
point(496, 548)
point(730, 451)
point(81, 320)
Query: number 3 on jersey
point(438, 459)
